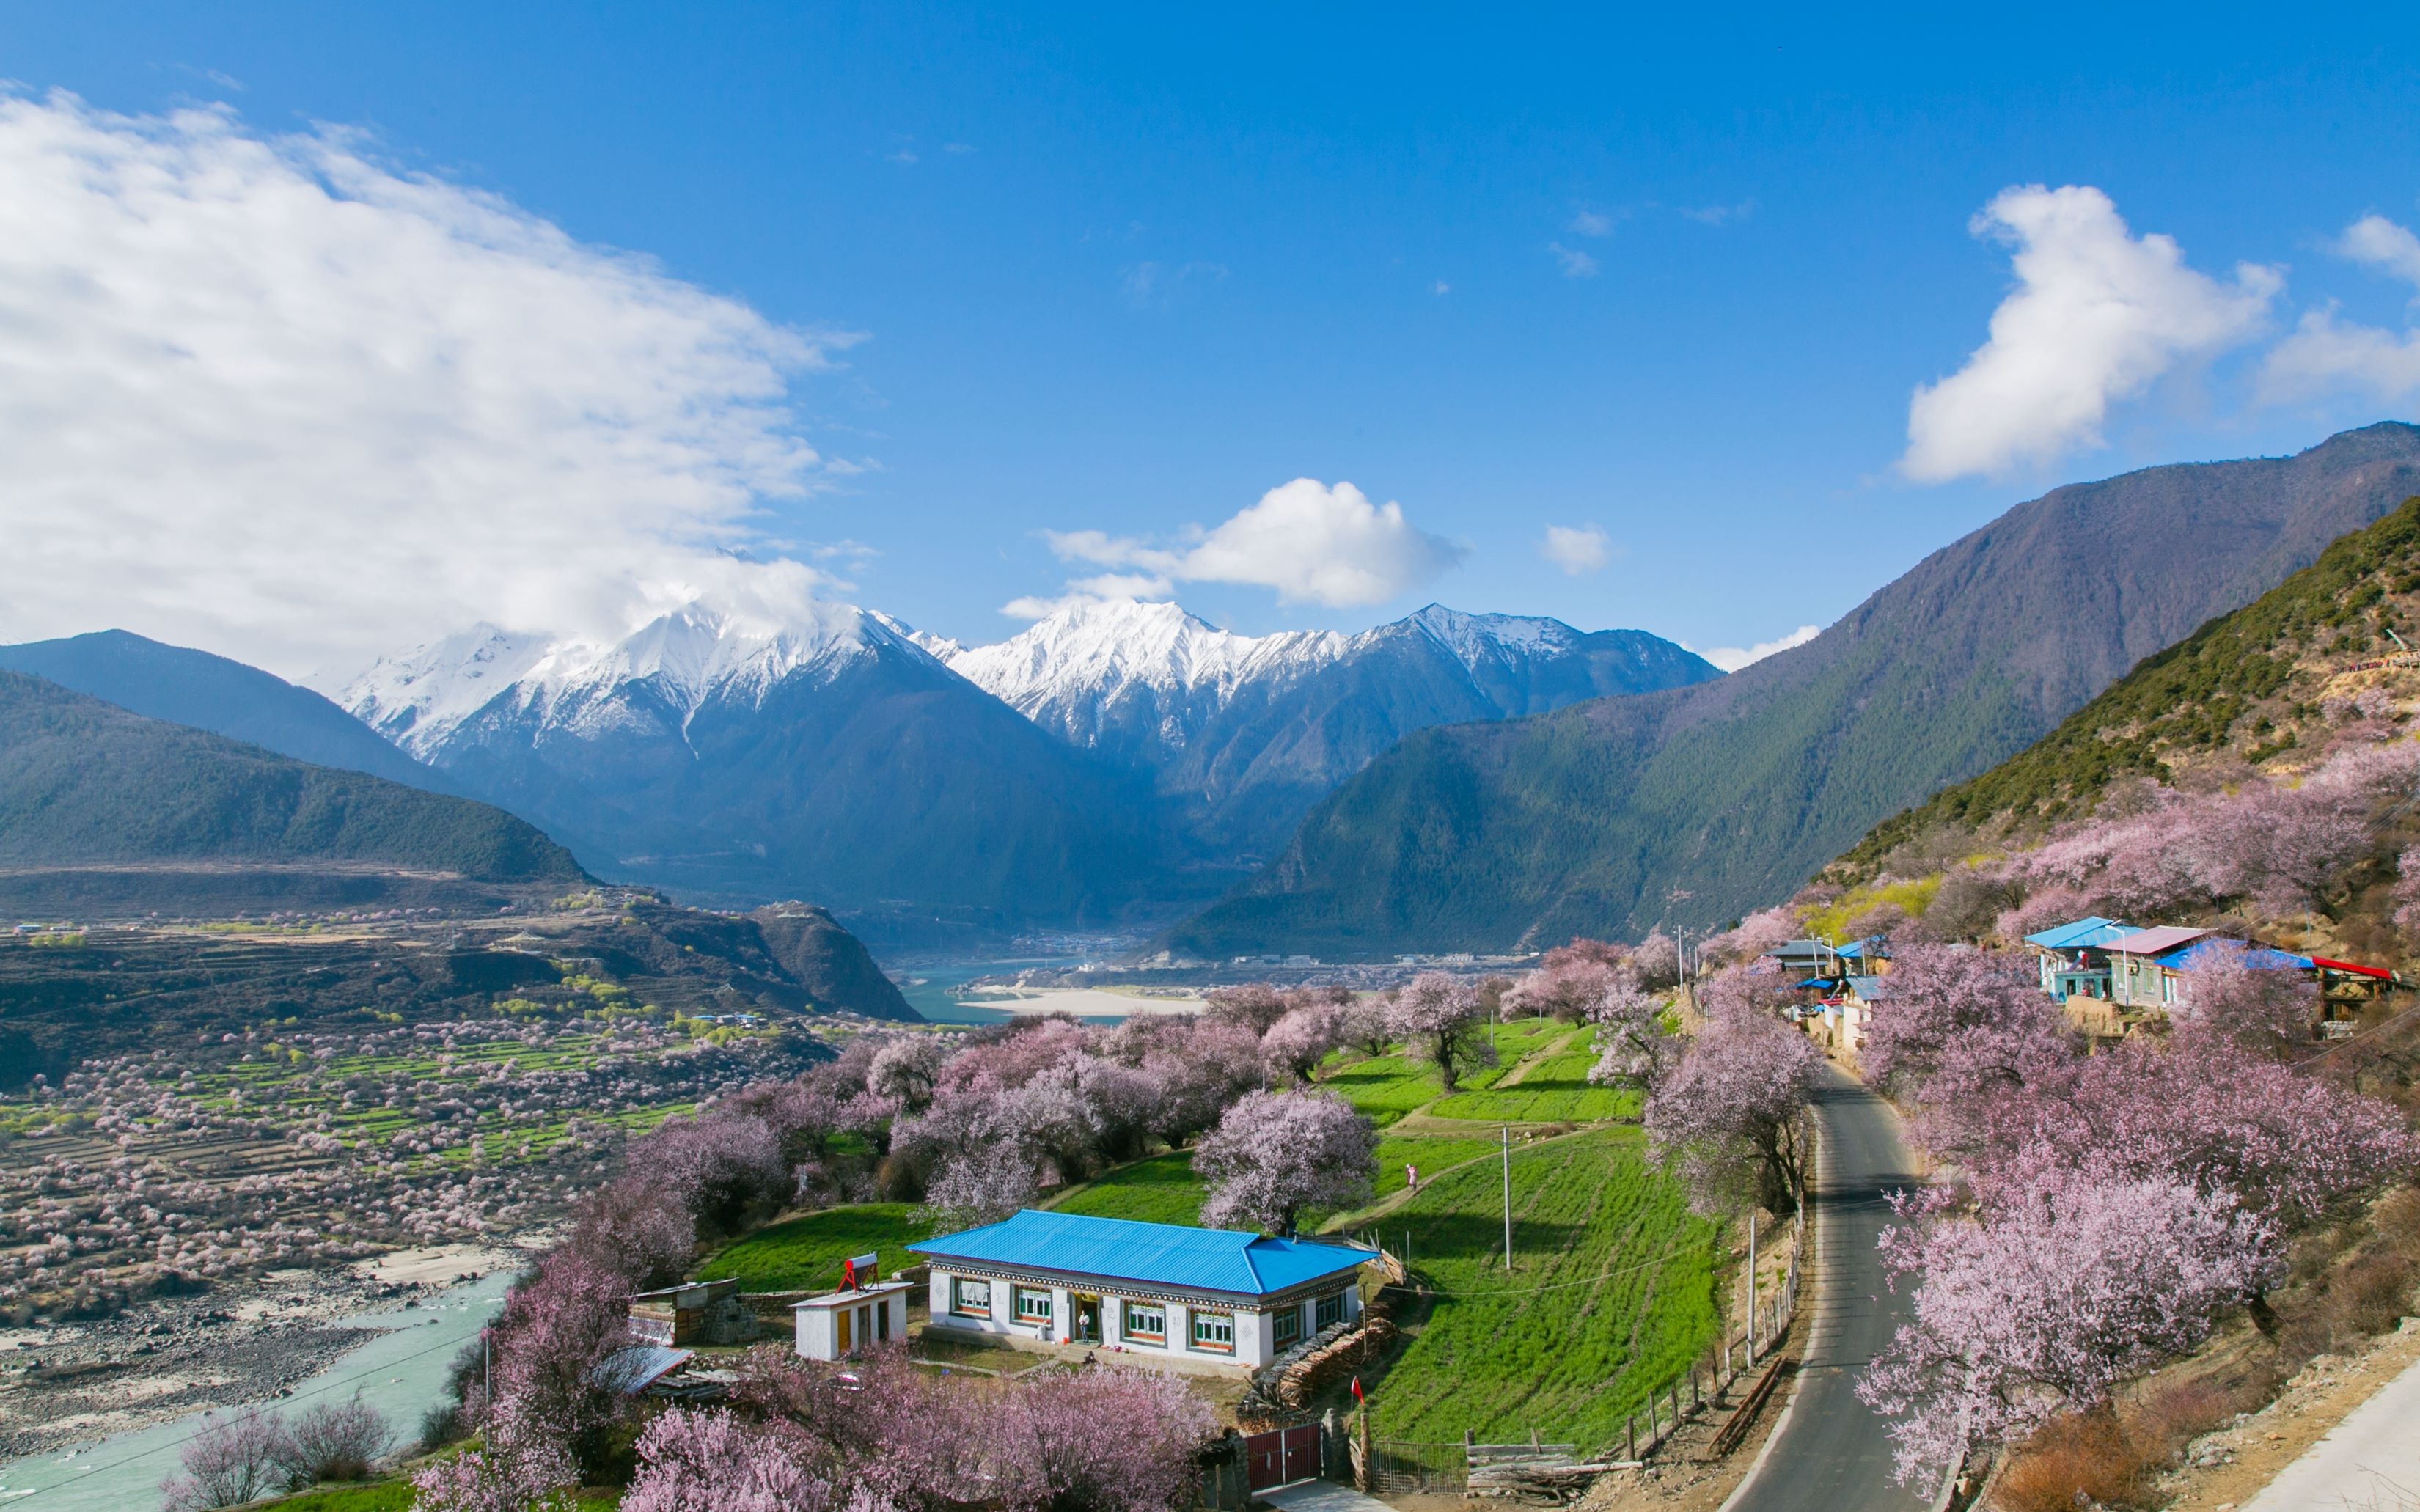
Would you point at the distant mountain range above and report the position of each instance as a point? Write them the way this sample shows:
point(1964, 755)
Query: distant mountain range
point(1695, 805)
point(1471, 782)
point(1113, 762)
point(831, 757)
point(1244, 734)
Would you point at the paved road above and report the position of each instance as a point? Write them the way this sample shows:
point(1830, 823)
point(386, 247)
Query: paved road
point(1832, 1454)
point(2371, 1459)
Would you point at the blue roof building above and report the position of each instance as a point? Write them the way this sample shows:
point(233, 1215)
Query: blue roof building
point(2073, 957)
point(1183, 1298)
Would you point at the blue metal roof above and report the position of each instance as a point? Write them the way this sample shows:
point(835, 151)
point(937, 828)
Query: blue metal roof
point(2258, 957)
point(1872, 944)
point(2081, 935)
point(1869, 989)
point(1169, 1255)
point(1816, 981)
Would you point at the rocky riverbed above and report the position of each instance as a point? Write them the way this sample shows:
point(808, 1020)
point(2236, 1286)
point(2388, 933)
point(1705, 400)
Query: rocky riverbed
point(72, 1383)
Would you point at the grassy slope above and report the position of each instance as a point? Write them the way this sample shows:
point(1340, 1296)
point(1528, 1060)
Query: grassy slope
point(1571, 1350)
point(1164, 1190)
point(2240, 684)
point(1555, 1089)
point(805, 1251)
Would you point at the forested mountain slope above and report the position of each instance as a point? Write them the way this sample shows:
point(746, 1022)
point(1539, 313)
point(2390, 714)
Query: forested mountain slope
point(2264, 685)
point(86, 783)
point(224, 697)
point(1699, 804)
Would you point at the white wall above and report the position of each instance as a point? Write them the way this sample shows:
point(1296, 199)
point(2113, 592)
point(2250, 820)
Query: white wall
point(1255, 1331)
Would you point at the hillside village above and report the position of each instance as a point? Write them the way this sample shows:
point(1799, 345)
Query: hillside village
point(734, 777)
point(997, 1242)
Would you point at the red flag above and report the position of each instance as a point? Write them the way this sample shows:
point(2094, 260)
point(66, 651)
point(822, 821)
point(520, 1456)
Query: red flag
point(848, 1275)
point(1357, 1388)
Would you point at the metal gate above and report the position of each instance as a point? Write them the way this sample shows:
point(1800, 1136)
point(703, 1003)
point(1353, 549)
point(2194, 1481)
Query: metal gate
point(1281, 1457)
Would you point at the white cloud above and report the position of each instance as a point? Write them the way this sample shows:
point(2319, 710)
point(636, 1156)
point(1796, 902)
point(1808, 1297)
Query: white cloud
point(2382, 245)
point(1577, 548)
point(1731, 658)
point(1720, 214)
point(2325, 354)
point(1310, 542)
point(1576, 263)
point(2097, 316)
point(1441, 287)
point(273, 396)
point(1591, 224)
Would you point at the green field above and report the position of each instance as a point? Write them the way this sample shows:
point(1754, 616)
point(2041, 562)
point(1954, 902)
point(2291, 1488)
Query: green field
point(1386, 1087)
point(1164, 1190)
point(1612, 1294)
point(1555, 1090)
point(1161, 1190)
point(1515, 1041)
point(805, 1253)
point(1431, 1154)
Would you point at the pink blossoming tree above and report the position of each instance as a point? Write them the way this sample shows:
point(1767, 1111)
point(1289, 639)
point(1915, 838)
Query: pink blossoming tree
point(1442, 1017)
point(1732, 1117)
point(2266, 1009)
point(2046, 1302)
point(1276, 1153)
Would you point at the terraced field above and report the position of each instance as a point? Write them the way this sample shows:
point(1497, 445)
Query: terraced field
point(1554, 1091)
point(1386, 1087)
point(1612, 1291)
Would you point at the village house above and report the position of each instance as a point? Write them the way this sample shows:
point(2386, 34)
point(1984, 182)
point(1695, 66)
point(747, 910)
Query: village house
point(695, 1311)
point(1217, 1300)
point(2074, 958)
point(840, 1323)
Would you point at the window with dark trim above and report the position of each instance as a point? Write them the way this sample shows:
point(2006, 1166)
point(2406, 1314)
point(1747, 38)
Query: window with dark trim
point(1327, 1312)
point(970, 1298)
point(1032, 1305)
point(1215, 1331)
point(1146, 1322)
point(1285, 1325)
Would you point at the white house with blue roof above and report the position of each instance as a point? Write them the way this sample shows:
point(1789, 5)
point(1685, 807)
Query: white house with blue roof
point(1197, 1299)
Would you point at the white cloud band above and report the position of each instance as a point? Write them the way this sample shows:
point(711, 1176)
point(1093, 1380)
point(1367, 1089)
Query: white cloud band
point(276, 398)
point(1312, 543)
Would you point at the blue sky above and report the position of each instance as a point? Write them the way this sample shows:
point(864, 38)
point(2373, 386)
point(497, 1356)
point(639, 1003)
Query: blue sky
point(1126, 269)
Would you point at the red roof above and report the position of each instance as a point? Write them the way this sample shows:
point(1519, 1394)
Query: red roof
point(2380, 972)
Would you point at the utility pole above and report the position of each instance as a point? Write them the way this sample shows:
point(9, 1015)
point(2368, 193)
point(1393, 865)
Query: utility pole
point(1507, 1196)
point(1751, 1286)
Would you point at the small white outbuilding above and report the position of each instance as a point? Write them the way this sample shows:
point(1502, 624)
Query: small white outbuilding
point(840, 1323)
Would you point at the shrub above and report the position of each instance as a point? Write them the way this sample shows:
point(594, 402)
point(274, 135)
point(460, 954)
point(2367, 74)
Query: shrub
point(2071, 1459)
point(334, 1441)
point(232, 1460)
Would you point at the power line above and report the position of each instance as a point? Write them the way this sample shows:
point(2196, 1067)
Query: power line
point(21, 1498)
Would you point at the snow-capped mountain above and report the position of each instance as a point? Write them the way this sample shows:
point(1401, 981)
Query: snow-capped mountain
point(676, 664)
point(1138, 677)
point(1244, 732)
point(823, 754)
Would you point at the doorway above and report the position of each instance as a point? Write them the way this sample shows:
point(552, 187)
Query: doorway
point(1087, 1329)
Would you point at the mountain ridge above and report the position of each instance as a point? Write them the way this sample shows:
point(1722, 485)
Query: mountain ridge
point(84, 783)
point(1693, 806)
point(1245, 733)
